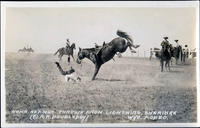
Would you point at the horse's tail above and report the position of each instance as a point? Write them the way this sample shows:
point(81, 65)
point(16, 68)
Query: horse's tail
point(124, 35)
point(56, 52)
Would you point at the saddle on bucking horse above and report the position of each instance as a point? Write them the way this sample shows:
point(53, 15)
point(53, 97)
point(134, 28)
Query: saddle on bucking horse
point(99, 48)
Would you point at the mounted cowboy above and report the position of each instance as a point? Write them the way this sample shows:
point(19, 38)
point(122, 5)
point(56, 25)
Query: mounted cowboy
point(165, 41)
point(67, 44)
point(177, 44)
point(67, 50)
point(165, 46)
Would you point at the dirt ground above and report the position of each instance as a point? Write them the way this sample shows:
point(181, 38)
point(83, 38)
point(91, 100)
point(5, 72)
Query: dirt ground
point(33, 82)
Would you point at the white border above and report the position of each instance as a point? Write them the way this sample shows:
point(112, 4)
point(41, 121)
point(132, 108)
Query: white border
point(135, 4)
point(197, 67)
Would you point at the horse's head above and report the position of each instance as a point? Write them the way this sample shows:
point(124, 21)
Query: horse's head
point(80, 56)
point(166, 46)
point(73, 46)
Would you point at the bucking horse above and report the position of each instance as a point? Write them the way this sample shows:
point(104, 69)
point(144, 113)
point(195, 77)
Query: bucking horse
point(107, 52)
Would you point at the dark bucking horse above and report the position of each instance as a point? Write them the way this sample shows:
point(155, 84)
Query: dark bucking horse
point(66, 51)
point(107, 52)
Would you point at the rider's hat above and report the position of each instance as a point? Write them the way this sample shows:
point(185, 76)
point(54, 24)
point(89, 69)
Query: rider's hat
point(185, 45)
point(165, 37)
point(176, 40)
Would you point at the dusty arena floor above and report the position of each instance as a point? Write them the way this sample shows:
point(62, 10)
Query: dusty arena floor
point(33, 82)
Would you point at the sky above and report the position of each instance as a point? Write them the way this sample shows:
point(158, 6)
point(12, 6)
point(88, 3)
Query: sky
point(46, 29)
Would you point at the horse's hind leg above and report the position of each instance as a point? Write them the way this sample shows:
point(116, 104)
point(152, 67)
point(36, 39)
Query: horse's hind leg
point(130, 47)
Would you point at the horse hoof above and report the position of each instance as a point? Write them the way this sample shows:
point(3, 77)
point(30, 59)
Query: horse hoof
point(56, 63)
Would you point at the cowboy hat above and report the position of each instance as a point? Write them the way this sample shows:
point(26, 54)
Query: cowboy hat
point(165, 37)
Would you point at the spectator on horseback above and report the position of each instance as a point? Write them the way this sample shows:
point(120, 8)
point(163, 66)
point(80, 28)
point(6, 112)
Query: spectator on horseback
point(67, 43)
point(186, 51)
point(177, 44)
point(151, 53)
point(165, 46)
point(165, 41)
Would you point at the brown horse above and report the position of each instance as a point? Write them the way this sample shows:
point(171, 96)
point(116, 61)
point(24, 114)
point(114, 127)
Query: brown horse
point(66, 51)
point(164, 55)
point(176, 52)
point(107, 52)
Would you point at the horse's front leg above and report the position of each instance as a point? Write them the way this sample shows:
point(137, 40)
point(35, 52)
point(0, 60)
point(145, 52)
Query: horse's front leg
point(73, 57)
point(161, 64)
point(97, 67)
point(167, 63)
point(60, 57)
point(171, 62)
point(168, 66)
point(68, 59)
